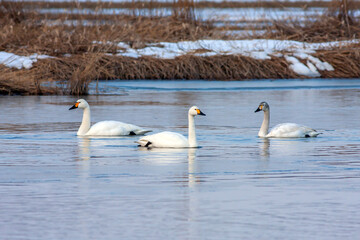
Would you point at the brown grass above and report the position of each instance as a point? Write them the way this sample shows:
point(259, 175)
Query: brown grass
point(80, 70)
point(75, 73)
point(23, 82)
point(327, 28)
point(337, 23)
point(159, 4)
point(61, 39)
point(346, 62)
point(58, 34)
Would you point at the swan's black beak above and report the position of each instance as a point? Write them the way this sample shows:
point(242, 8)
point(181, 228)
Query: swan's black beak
point(258, 110)
point(199, 112)
point(73, 107)
point(76, 105)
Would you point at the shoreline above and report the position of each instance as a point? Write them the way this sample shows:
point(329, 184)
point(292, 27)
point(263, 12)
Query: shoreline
point(346, 65)
point(45, 54)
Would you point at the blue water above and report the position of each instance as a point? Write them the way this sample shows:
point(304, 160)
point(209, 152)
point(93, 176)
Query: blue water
point(55, 185)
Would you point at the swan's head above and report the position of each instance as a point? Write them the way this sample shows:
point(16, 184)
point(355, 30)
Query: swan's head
point(263, 106)
point(193, 111)
point(81, 103)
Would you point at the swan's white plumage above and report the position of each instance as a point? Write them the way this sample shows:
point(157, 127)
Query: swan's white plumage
point(291, 130)
point(172, 139)
point(284, 130)
point(104, 128)
point(165, 140)
point(114, 128)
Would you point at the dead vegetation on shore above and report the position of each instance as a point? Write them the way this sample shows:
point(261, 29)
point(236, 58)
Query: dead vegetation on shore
point(79, 58)
point(346, 61)
point(153, 4)
point(80, 70)
point(337, 23)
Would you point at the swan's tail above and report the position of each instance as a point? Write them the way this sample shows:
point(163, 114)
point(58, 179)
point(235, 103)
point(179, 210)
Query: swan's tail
point(314, 133)
point(143, 143)
point(142, 131)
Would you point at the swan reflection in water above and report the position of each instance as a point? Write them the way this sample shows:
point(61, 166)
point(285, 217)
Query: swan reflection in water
point(157, 156)
point(181, 169)
point(192, 169)
point(84, 148)
point(101, 146)
point(168, 156)
point(284, 146)
point(264, 146)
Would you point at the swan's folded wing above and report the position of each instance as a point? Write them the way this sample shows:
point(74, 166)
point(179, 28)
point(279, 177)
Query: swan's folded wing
point(292, 130)
point(115, 128)
point(165, 140)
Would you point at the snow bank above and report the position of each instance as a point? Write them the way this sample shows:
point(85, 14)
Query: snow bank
point(261, 49)
point(258, 48)
point(301, 69)
point(15, 61)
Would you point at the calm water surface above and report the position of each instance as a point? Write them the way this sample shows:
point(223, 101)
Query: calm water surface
point(55, 185)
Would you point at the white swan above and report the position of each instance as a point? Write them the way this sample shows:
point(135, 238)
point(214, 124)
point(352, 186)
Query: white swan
point(172, 139)
point(284, 130)
point(104, 128)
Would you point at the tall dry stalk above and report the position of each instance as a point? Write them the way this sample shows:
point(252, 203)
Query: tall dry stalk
point(184, 10)
point(337, 23)
point(343, 11)
point(12, 11)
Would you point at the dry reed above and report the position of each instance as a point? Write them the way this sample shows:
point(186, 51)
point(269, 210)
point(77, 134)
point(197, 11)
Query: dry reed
point(82, 36)
point(168, 4)
point(337, 23)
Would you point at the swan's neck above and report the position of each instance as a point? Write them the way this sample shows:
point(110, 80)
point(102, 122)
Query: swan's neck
point(85, 124)
point(192, 133)
point(265, 124)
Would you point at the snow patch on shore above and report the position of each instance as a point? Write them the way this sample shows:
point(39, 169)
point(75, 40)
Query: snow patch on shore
point(258, 48)
point(261, 49)
point(302, 69)
point(12, 60)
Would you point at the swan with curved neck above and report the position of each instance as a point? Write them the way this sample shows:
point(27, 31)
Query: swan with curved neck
point(104, 128)
point(284, 130)
point(172, 139)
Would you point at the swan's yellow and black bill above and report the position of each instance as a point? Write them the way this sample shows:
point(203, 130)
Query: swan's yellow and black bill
point(75, 106)
point(259, 108)
point(200, 112)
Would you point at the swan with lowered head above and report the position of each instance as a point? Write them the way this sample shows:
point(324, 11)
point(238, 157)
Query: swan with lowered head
point(284, 130)
point(172, 139)
point(104, 128)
